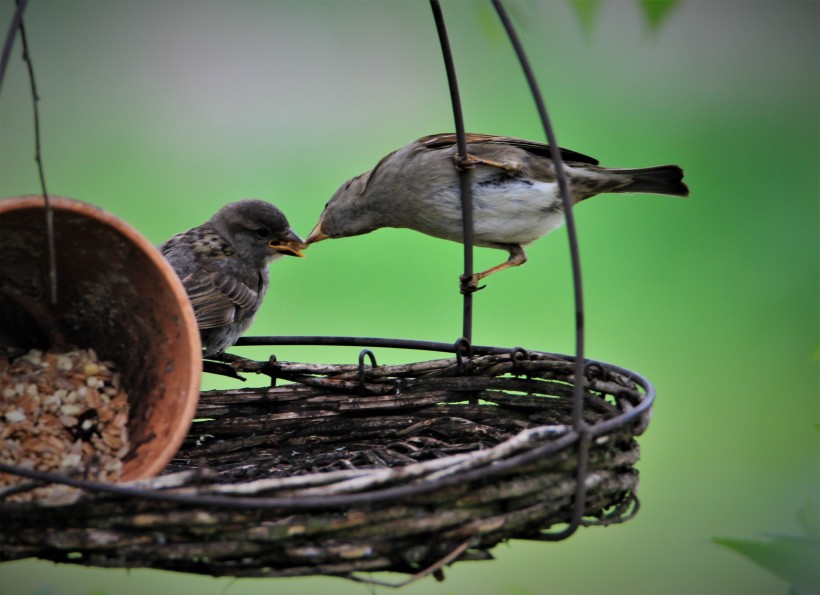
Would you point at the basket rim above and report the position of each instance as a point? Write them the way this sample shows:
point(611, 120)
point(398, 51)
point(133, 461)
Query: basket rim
point(462, 347)
point(144, 489)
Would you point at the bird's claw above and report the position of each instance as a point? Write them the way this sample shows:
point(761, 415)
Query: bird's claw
point(469, 284)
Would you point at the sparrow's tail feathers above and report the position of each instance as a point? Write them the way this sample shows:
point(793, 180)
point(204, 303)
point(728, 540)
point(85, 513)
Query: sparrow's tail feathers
point(664, 179)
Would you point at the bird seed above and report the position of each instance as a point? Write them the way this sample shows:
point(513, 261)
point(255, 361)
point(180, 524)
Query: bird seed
point(61, 412)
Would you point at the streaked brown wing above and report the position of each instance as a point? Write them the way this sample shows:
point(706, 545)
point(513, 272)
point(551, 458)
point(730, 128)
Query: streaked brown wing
point(437, 141)
point(216, 297)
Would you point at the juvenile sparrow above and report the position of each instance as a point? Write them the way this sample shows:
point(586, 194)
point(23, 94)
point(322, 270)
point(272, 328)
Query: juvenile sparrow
point(223, 265)
point(516, 198)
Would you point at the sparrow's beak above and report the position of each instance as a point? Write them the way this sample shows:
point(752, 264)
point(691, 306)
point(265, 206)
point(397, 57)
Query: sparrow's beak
point(316, 235)
point(291, 244)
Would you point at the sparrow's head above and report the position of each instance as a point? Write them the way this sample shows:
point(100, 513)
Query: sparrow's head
point(257, 230)
point(351, 211)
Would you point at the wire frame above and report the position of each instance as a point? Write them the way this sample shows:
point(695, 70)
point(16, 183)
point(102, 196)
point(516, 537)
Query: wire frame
point(467, 218)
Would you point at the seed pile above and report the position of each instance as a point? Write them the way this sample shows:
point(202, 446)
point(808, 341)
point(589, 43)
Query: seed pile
point(64, 412)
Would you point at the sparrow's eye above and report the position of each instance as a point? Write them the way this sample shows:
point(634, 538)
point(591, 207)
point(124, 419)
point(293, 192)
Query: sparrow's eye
point(263, 233)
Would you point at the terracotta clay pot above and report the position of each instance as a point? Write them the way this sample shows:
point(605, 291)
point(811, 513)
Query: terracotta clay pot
point(115, 294)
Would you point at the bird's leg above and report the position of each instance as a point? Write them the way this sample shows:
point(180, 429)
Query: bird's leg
point(469, 283)
point(512, 167)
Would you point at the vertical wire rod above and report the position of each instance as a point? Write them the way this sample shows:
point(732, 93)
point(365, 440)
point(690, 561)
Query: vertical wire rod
point(38, 157)
point(578, 388)
point(465, 173)
point(15, 26)
point(16, 18)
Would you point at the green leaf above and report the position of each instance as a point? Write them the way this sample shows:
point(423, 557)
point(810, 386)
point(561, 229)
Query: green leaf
point(808, 521)
point(656, 11)
point(586, 11)
point(793, 559)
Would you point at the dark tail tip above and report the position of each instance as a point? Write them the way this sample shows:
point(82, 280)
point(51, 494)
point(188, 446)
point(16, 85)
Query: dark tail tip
point(664, 179)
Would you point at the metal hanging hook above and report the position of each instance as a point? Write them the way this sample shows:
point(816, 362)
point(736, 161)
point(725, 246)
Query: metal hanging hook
point(362, 370)
point(462, 348)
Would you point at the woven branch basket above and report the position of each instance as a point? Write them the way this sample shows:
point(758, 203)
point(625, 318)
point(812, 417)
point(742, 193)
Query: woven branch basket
point(350, 468)
point(347, 468)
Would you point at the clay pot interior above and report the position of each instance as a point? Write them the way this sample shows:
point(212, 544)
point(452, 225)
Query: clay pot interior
point(116, 294)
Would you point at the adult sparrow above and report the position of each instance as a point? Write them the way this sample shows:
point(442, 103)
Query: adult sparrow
point(223, 265)
point(516, 198)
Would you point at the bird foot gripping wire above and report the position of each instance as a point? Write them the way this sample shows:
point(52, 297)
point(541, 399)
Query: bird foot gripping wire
point(469, 284)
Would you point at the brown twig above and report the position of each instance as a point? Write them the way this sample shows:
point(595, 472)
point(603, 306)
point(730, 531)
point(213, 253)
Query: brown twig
point(432, 569)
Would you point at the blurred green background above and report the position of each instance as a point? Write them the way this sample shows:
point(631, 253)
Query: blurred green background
point(161, 112)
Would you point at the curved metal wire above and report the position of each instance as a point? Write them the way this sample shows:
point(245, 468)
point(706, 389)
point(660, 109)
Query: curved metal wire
point(578, 422)
point(14, 26)
point(467, 217)
point(465, 173)
point(17, 25)
point(362, 370)
point(563, 184)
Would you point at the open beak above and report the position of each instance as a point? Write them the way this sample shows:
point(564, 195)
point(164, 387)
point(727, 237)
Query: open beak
point(316, 235)
point(291, 244)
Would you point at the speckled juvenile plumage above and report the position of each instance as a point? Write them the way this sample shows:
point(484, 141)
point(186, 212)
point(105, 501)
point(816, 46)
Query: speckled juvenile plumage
point(516, 197)
point(223, 265)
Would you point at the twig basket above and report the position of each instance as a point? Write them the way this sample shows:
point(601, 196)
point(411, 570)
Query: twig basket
point(359, 468)
point(351, 468)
